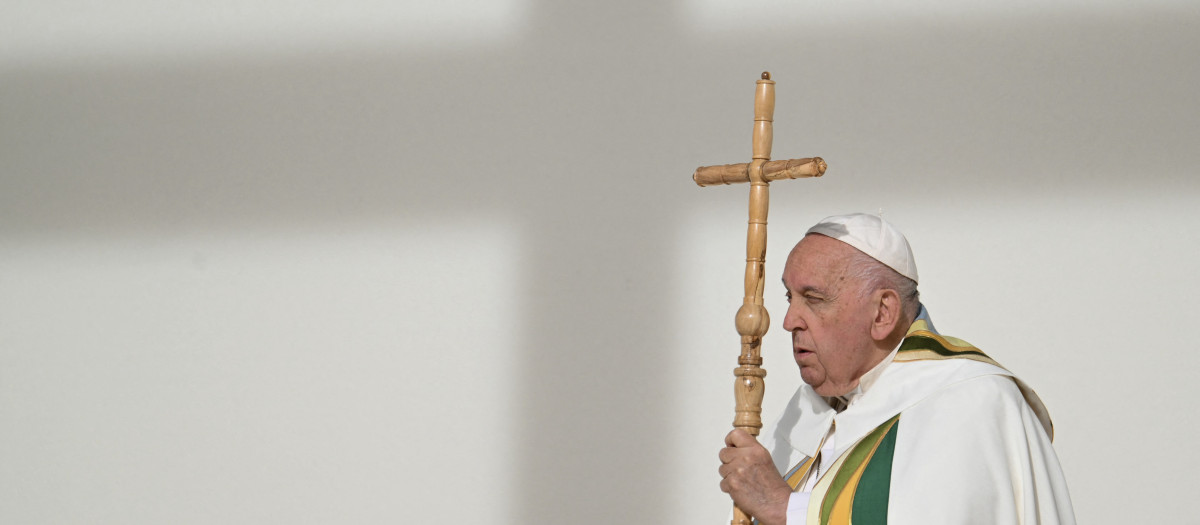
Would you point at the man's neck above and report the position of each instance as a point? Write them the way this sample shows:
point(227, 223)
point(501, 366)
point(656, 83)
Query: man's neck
point(864, 383)
point(886, 350)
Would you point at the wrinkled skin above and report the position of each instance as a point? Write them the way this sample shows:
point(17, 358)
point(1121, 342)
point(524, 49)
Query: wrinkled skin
point(750, 478)
point(838, 334)
point(836, 331)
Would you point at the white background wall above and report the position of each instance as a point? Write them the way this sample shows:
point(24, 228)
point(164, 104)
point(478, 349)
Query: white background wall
point(380, 262)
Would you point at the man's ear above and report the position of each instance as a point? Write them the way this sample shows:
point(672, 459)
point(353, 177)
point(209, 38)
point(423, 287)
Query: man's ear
point(887, 314)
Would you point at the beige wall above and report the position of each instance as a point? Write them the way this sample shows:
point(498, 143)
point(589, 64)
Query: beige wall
point(395, 262)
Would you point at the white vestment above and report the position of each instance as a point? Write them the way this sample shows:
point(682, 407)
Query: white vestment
point(965, 442)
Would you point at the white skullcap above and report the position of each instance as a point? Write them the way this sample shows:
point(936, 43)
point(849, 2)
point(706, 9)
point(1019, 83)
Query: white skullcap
point(873, 236)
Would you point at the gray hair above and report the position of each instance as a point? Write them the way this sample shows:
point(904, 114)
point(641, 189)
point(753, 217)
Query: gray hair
point(874, 276)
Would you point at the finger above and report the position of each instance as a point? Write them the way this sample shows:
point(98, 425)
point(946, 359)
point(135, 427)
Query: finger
point(739, 438)
point(727, 454)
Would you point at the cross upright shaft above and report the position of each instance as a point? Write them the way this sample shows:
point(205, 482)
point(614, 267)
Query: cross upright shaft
point(752, 319)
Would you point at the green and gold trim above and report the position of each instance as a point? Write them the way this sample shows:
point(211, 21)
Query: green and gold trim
point(857, 491)
point(922, 344)
point(796, 476)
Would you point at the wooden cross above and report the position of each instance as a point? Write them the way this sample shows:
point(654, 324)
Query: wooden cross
point(752, 320)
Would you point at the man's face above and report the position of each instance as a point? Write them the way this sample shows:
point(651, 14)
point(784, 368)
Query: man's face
point(829, 320)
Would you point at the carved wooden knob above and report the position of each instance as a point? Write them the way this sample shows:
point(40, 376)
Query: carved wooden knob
point(752, 319)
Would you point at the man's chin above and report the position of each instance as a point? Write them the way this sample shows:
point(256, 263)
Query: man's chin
point(811, 377)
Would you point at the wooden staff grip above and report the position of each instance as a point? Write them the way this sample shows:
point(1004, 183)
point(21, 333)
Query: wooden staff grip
point(772, 171)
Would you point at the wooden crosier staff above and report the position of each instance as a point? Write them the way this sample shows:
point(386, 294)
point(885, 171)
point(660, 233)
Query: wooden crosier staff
point(752, 319)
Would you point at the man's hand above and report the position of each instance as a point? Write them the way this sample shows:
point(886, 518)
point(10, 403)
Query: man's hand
point(750, 478)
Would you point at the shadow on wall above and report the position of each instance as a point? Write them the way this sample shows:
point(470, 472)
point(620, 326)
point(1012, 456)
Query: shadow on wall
point(589, 141)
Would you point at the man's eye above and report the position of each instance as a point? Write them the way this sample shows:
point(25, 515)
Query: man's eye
point(788, 296)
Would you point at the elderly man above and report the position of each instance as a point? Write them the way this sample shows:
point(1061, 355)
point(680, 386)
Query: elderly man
point(894, 423)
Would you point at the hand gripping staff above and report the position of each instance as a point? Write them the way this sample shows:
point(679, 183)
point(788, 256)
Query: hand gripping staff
point(752, 319)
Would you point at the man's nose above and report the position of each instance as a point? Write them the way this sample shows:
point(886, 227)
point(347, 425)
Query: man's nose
point(792, 321)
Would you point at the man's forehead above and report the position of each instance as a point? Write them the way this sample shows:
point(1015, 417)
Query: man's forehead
point(816, 261)
point(815, 247)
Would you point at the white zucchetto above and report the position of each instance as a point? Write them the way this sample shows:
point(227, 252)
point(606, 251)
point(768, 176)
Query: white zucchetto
point(873, 236)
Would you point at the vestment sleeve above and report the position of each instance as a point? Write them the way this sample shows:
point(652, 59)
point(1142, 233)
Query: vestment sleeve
point(975, 452)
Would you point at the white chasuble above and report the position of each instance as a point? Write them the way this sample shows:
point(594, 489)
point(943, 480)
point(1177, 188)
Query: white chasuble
point(944, 435)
